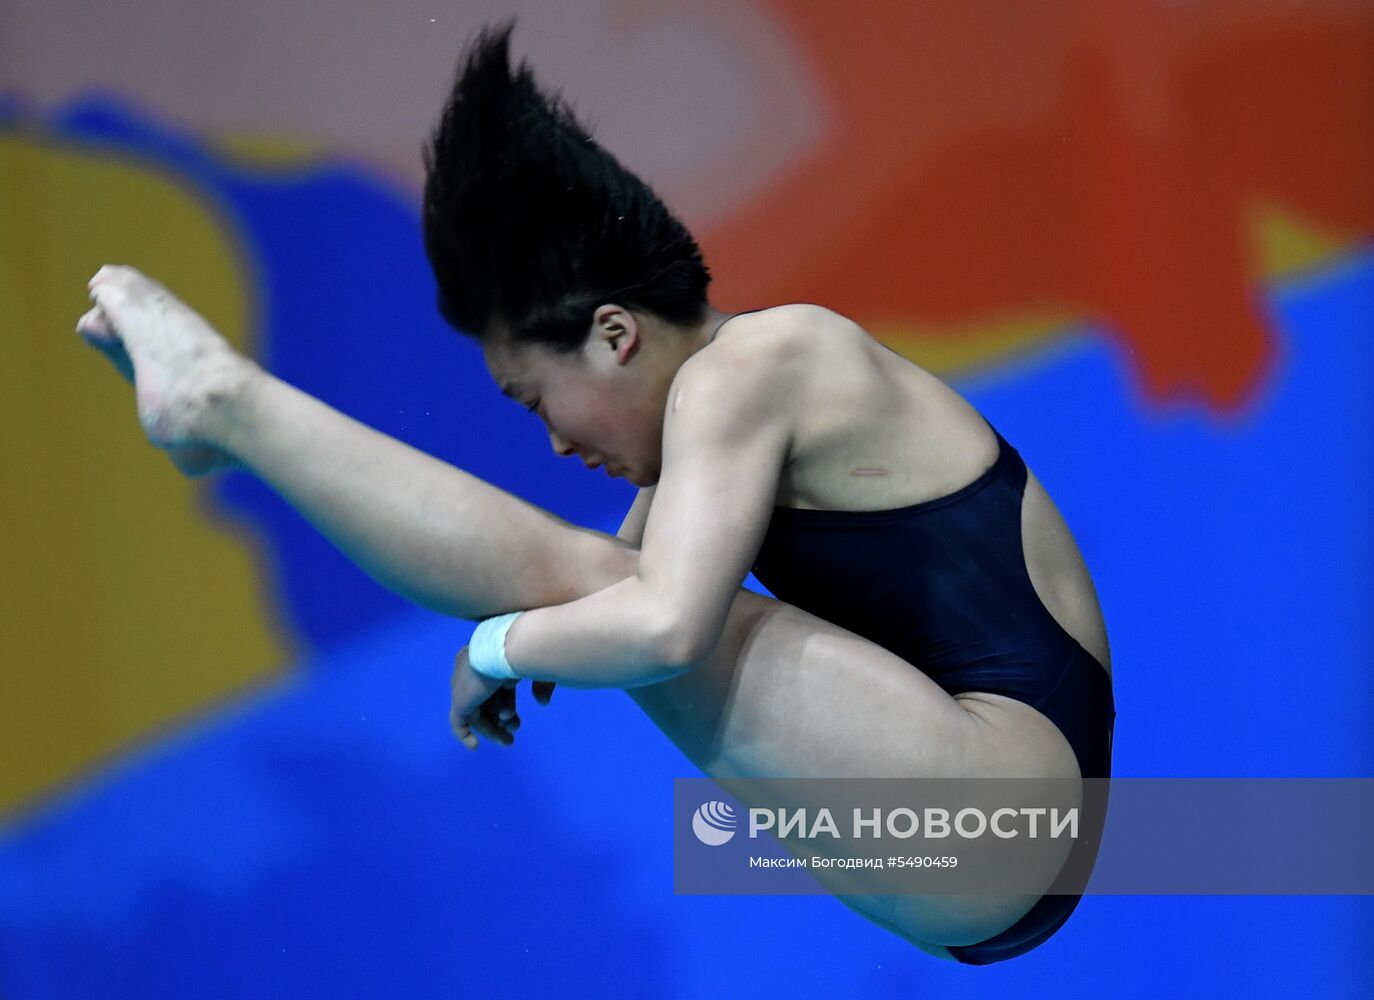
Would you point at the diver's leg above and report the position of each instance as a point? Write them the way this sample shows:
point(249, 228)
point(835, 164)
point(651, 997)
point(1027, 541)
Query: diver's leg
point(431, 532)
point(787, 695)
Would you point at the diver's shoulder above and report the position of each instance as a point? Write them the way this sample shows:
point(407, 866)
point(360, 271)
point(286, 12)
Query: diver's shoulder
point(760, 350)
point(776, 357)
point(797, 314)
point(792, 329)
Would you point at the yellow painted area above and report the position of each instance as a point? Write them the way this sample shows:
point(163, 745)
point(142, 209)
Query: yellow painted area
point(1288, 245)
point(125, 608)
point(251, 149)
point(961, 351)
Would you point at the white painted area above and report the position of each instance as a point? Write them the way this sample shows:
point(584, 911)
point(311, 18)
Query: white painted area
point(704, 99)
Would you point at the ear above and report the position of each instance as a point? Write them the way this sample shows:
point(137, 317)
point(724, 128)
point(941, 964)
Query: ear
point(616, 329)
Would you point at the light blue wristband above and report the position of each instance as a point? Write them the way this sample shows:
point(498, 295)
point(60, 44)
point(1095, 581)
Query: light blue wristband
point(487, 648)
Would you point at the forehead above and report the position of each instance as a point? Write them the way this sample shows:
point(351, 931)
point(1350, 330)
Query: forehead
point(500, 364)
point(513, 365)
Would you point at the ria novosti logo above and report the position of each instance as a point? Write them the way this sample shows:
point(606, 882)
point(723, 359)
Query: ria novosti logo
point(714, 823)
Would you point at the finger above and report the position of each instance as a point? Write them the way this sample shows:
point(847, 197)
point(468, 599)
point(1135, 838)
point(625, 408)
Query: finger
point(485, 725)
point(489, 726)
point(503, 711)
point(508, 716)
point(462, 731)
point(505, 703)
point(489, 730)
point(510, 713)
point(543, 691)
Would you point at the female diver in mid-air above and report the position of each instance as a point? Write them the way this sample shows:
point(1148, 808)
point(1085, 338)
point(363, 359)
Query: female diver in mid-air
point(935, 618)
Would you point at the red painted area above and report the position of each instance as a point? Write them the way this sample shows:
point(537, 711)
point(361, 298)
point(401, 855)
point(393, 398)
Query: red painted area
point(989, 160)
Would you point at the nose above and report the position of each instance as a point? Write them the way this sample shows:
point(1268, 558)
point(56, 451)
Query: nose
point(561, 447)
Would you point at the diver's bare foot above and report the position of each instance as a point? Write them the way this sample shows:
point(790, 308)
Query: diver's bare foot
point(183, 371)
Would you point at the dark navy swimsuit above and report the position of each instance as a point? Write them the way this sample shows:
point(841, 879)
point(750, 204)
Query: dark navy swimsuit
point(943, 584)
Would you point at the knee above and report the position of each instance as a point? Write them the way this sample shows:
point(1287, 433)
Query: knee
point(591, 562)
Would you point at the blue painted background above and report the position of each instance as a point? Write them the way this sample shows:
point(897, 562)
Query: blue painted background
point(328, 837)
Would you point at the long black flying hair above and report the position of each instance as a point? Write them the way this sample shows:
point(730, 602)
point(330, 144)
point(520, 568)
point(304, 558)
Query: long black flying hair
point(530, 223)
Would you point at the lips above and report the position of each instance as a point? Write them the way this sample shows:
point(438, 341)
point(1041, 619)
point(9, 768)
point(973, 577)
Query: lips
point(593, 464)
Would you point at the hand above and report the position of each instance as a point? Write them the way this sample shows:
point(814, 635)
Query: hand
point(494, 715)
point(483, 704)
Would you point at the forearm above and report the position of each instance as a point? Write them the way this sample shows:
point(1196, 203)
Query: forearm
point(432, 533)
point(611, 638)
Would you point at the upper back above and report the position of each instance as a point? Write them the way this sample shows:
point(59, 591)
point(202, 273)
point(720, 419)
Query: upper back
point(871, 430)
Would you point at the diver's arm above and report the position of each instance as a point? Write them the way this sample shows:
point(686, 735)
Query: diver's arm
point(632, 528)
point(726, 438)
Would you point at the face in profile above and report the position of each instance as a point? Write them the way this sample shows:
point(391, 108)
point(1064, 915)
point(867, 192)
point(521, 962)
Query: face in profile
point(602, 403)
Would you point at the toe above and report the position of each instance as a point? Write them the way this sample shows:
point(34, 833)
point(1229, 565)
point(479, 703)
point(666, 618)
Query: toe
point(93, 324)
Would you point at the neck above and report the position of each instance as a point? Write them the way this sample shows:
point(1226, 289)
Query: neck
point(710, 327)
point(682, 346)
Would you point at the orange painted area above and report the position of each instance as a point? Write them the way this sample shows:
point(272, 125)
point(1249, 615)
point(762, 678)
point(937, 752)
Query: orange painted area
point(990, 165)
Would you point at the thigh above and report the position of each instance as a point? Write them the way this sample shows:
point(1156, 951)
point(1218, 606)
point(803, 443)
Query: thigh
point(787, 694)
